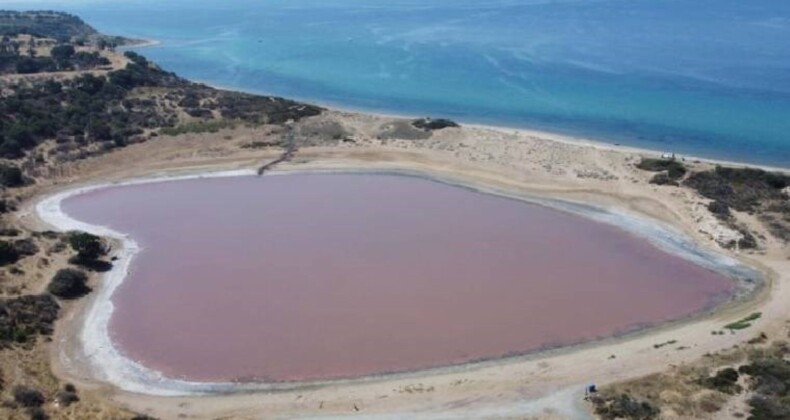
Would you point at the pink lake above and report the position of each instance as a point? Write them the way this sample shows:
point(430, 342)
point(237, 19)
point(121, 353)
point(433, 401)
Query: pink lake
point(322, 276)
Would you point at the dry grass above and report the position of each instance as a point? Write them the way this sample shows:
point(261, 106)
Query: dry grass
point(680, 392)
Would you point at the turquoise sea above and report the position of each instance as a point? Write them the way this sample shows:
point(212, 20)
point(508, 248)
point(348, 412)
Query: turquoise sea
point(703, 77)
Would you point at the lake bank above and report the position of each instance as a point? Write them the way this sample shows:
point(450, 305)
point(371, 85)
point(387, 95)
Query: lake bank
point(446, 165)
point(96, 338)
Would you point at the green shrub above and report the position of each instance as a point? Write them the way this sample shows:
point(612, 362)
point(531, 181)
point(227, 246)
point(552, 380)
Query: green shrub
point(675, 170)
point(69, 283)
point(724, 381)
point(743, 189)
point(663, 179)
point(744, 323)
point(88, 247)
point(62, 52)
point(25, 317)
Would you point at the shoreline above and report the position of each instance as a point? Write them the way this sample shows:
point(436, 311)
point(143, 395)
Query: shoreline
point(574, 139)
point(593, 176)
point(109, 365)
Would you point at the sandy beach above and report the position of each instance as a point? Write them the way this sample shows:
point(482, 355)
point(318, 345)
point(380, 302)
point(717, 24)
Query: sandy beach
point(514, 162)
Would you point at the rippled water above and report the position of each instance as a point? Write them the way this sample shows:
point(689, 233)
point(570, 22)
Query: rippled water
point(708, 77)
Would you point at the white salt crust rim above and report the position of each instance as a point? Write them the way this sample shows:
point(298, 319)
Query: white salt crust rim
point(112, 366)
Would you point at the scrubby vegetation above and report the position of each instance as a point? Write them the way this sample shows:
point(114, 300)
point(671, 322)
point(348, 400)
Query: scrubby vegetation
point(67, 396)
point(749, 190)
point(90, 249)
point(11, 176)
point(86, 109)
point(670, 170)
point(15, 60)
point(90, 114)
point(59, 26)
point(196, 127)
point(756, 370)
point(725, 380)
point(769, 379)
point(624, 407)
point(69, 283)
point(744, 323)
point(28, 397)
point(8, 253)
point(429, 124)
point(743, 189)
point(23, 318)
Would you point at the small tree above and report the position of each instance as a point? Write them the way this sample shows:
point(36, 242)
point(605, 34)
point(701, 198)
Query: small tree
point(69, 283)
point(89, 247)
point(62, 52)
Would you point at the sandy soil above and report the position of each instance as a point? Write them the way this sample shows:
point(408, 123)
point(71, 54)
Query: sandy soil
point(546, 385)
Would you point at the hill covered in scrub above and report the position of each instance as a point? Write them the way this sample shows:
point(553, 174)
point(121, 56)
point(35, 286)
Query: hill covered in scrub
point(59, 26)
point(66, 95)
point(91, 114)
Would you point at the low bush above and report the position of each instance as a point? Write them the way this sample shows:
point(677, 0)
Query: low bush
point(719, 209)
point(8, 253)
point(663, 179)
point(748, 241)
point(674, 169)
point(89, 247)
point(744, 323)
point(624, 407)
point(429, 124)
point(725, 380)
point(66, 398)
point(28, 397)
point(69, 283)
point(743, 189)
point(770, 383)
point(25, 317)
point(11, 176)
point(26, 247)
point(37, 413)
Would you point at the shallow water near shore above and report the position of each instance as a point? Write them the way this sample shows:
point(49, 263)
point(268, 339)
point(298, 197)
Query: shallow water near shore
point(320, 276)
point(709, 78)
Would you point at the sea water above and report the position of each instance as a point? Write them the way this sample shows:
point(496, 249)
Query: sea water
point(703, 77)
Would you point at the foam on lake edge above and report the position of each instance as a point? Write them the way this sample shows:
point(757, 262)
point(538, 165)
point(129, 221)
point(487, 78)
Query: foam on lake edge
point(110, 365)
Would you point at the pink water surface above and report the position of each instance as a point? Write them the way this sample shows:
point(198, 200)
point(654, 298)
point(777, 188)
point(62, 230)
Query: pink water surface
point(319, 276)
